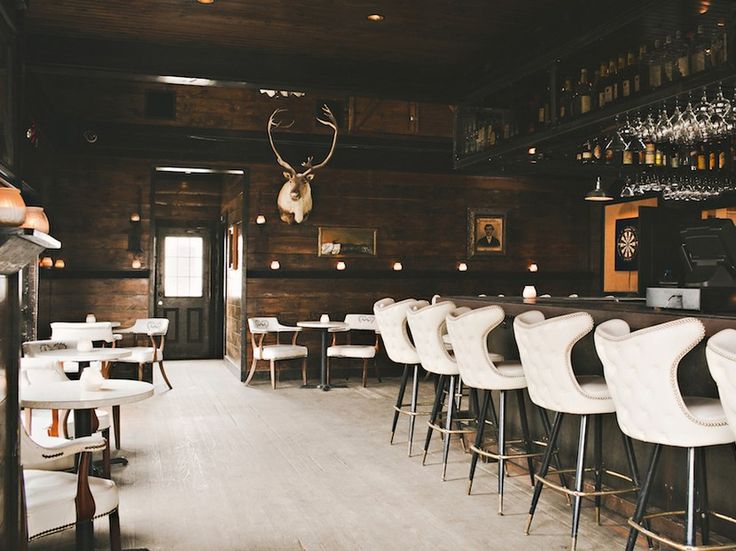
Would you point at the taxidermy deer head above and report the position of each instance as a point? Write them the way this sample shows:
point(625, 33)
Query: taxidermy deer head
point(295, 198)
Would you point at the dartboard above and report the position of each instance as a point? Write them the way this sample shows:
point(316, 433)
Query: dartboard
point(627, 243)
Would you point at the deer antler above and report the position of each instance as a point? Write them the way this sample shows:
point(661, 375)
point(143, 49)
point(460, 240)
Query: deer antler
point(330, 121)
point(273, 123)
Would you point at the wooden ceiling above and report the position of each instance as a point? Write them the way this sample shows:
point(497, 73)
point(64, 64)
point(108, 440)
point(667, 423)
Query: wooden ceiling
point(427, 46)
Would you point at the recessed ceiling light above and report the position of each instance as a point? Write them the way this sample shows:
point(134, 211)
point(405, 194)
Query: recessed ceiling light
point(376, 17)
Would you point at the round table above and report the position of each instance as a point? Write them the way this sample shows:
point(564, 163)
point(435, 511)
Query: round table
point(72, 395)
point(74, 355)
point(324, 328)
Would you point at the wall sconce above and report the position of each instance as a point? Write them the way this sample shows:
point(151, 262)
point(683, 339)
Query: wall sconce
point(136, 264)
point(462, 267)
point(134, 235)
point(398, 267)
point(260, 219)
point(46, 262)
point(275, 265)
point(533, 267)
point(341, 265)
point(59, 263)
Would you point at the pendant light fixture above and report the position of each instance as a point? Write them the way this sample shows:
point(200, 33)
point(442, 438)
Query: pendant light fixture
point(597, 193)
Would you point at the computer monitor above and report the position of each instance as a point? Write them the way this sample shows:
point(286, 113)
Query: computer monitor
point(709, 253)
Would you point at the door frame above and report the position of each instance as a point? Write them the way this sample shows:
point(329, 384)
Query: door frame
point(215, 325)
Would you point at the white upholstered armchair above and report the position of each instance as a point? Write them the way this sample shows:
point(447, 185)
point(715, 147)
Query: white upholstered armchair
point(155, 329)
point(277, 352)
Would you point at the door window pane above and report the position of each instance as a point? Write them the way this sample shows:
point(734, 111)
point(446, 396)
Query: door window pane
point(183, 266)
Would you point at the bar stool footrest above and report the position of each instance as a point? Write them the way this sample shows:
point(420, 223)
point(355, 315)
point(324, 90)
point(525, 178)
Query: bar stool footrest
point(677, 545)
point(557, 487)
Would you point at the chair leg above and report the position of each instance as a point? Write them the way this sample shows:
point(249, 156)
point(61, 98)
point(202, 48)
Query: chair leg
point(163, 374)
point(448, 424)
point(106, 454)
point(414, 395)
point(579, 473)
point(304, 371)
point(436, 407)
point(598, 463)
point(501, 448)
point(549, 452)
point(116, 425)
point(555, 454)
point(375, 367)
point(525, 433)
point(251, 372)
point(114, 531)
point(273, 374)
point(328, 361)
point(690, 498)
point(140, 371)
point(482, 411)
point(365, 372)
point(703, 509)
point(399, 401)
point(641, 502)
point(634, 470)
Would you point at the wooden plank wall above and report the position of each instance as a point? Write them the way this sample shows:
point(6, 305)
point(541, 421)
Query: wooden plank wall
point(232, 210)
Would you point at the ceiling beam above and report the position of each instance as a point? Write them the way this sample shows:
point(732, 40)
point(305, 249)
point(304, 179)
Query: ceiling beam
point(221, 66)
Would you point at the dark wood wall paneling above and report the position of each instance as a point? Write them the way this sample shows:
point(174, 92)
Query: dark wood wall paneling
point(232, 211)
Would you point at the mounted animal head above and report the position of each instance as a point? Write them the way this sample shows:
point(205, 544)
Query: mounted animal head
point(295, 198)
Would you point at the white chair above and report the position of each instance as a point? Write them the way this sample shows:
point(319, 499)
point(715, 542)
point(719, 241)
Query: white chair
point(259, 328)
point(545, 349)
point(55, 501)
point(153, 328)
point(54, 423)
point(68, 331)
point(641, 370)
point(469, 330)
point(427, 324)
point(721, 355)
point(365, 352)
point(392, 325)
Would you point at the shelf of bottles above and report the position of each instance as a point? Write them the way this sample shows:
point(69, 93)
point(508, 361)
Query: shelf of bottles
point(636, 76)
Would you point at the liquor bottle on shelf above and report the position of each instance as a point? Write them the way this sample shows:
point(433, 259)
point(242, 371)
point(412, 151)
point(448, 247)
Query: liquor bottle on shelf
point(699, 52)
point(654, 61)
point(565, 111)
point(649, 154)
point(641, 71)
point(702, 158)
point(597, 151)
point(587, 153)
point(681, 68)
point(719, 45)
point(603, 86)
point(627, 157)
point(612, 84)
point(627, 76)
point(582, 94)
point(596, 91)
point(668, 60)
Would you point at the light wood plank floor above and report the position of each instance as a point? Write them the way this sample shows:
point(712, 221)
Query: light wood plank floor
point(215, 465)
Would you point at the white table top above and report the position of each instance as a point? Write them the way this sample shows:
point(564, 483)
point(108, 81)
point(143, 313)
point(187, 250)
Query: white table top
point(321, 324)
point(72, 395)
point(74, 355)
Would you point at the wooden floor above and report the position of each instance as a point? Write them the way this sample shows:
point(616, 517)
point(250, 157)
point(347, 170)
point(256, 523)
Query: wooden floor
point(215, 465)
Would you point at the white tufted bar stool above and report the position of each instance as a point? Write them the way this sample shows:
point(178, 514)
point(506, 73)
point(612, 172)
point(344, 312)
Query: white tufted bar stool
point(545, 348)
point(392, 325)
point(428, 327)
point(641, 370)
point(721, 355)
point(469, 330)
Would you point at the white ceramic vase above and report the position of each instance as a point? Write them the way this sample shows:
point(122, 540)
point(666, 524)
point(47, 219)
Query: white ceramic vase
point(92, 378)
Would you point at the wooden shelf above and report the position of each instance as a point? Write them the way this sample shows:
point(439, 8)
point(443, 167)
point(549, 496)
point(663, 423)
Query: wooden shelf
point(592, 123)
point(65, 273)
point(483, 273)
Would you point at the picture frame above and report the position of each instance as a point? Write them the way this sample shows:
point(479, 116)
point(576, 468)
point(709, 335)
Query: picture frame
point(346, 241)
point(486, 232)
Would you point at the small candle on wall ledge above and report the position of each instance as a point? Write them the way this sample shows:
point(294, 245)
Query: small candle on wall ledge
point(341, 265)
point(135, 217)
point(275, 265)
point(398, 267)
point(260, 219)
point(533, 267)
point(136, 264)
point(529, 292)
point(46, 262)
point(462, 267)
point(59, 263)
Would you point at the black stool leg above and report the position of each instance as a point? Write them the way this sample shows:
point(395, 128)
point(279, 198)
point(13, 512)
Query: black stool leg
point(579, 472)
point(598, 463)
point(413, 418)
point(474, 401)
point(553, 434)
point(690, 498)
point(525, 433)
point(634, 470)
point(641, 503)
point(501, 448)
point(555, 456)
point(479, 436)
point(435, 412)
point(703, 494)
point(448, 423)
point(399, 400)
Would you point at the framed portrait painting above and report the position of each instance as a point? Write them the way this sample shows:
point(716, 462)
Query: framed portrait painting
point(486, 232)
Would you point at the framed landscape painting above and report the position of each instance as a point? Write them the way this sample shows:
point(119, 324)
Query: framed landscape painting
point(486, 232)
point(346, 241)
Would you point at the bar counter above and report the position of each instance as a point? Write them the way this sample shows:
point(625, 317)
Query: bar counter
point(693, 378)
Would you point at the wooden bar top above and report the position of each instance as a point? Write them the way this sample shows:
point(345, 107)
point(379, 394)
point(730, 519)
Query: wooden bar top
point(634, 311)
